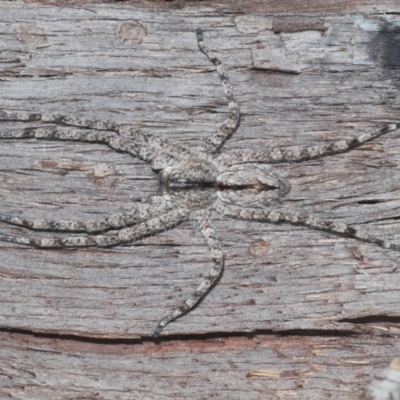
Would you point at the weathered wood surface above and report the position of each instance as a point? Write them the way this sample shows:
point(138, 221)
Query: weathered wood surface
point(242, 368)
point(300, 79)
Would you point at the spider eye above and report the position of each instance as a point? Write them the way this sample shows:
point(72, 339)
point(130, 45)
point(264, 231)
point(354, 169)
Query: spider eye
point(181, 184)
point(179, 181)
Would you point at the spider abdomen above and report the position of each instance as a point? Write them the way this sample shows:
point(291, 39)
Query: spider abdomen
point(250, 185)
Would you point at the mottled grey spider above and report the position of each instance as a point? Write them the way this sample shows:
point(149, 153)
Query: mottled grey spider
point(192, 184)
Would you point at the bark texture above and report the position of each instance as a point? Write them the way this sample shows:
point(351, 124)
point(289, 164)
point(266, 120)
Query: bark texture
point(301, 76)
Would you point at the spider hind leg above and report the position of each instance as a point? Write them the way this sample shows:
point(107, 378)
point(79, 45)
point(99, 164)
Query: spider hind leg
point(215, 274)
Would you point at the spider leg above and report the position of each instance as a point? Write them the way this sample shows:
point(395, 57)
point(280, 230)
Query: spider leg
point(59, 119)
point(141, 213)
point(110, 239)
point(148, 148)
point(279, 215)
point(213, 277)
point(230, 125)
point(301, 153)
point(77, 135)
point(152, 148)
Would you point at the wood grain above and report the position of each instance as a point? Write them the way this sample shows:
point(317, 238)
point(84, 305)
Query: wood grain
point(242, 368)
point(300, 79)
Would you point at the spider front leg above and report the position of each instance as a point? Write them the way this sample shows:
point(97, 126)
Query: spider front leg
point(149, 148)
point(74, 134)
point(230, 125)
point(16, 116)
point(213, 277)
point(115, 221)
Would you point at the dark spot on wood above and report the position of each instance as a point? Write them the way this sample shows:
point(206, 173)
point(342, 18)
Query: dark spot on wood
point(32, 34)
point(380, 242)
point(351, 231)
point(259, 45)
point(385, 47)
point(355, 251)
point(133, 32)
point(289, 374)
point(105, 175)
point(47, 164)
point(372, 201)
point(354, 142)
point(298, 24)
point(258, 248)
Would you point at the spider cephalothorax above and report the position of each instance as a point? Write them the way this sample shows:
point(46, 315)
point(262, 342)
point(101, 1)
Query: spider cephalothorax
point(192, 184)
